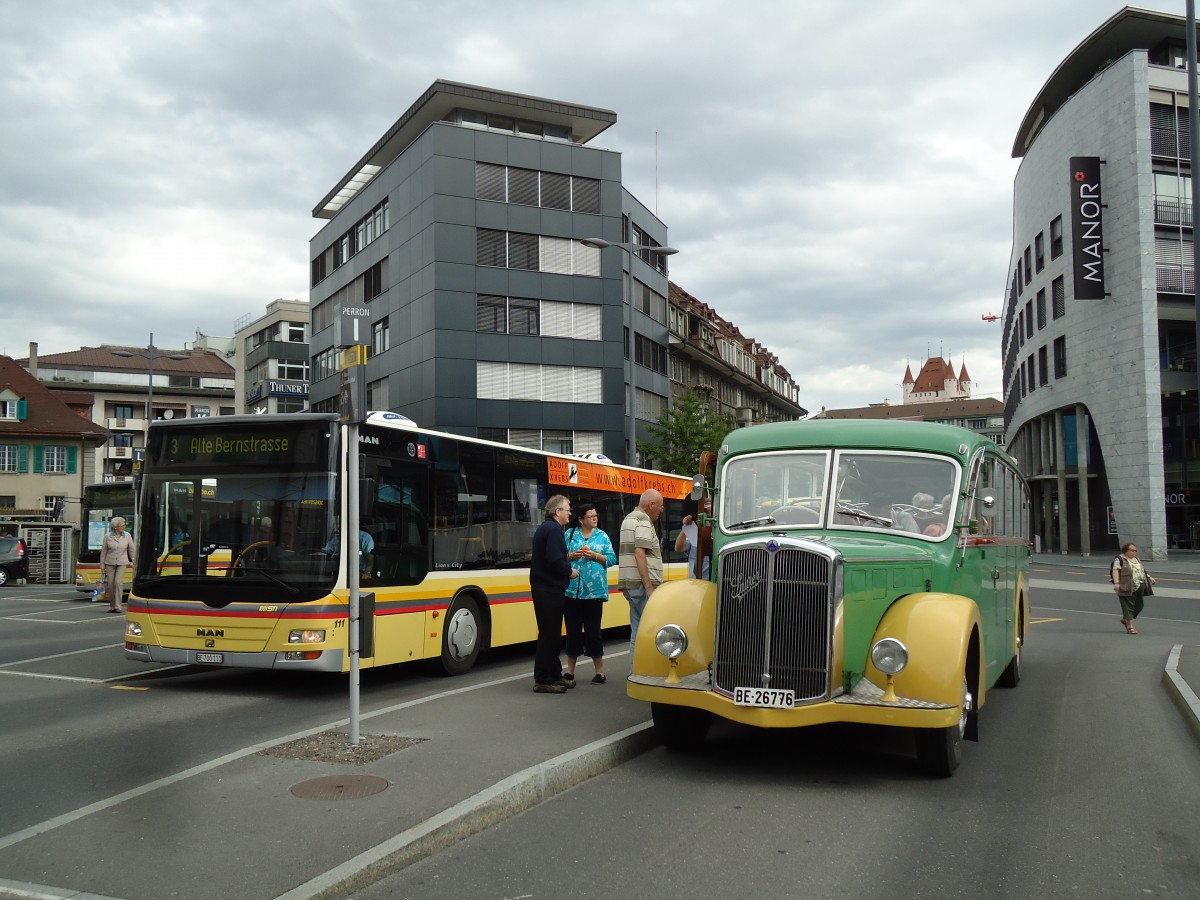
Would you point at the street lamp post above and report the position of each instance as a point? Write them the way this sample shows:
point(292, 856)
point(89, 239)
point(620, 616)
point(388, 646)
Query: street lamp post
point(631, 349)
point(149, 356)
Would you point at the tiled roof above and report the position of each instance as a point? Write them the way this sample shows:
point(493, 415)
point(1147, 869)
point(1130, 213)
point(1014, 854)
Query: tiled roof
point(934, 409)
point(933, 376)
point(47, 413)
point(198, 362)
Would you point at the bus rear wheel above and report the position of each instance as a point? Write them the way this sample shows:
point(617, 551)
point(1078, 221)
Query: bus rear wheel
point(939, 750)
point(680, 727)
point(461, 636)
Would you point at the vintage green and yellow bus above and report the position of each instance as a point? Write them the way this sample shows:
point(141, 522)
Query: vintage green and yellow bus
point(863, 571)
point(242, 560)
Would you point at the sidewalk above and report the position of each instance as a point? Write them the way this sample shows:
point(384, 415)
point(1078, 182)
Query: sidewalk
point(1181, 674)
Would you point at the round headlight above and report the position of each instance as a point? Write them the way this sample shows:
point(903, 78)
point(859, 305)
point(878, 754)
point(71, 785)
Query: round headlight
point(890, 656)
point(671, 641)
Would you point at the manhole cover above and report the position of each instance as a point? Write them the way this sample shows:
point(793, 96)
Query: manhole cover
point(340, 787)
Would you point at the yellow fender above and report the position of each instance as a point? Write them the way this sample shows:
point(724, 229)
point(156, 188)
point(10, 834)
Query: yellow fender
point(937, 629)
point(690, 604)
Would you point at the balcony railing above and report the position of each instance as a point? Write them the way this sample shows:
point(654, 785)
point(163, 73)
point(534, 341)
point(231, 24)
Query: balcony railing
point(1175, 280)
point(1168, 211)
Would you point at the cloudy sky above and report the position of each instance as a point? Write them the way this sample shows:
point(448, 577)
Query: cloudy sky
point(835, 175)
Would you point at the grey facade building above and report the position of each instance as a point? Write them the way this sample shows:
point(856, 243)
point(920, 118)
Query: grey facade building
point(460, 233)
point(1099, 341)
point(271, 359)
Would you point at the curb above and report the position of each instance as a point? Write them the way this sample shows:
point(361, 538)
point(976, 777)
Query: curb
point(1185, 698)
point(501, 801)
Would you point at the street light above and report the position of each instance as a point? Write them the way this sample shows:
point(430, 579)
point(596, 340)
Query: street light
point(149, 356)
point(631, 249)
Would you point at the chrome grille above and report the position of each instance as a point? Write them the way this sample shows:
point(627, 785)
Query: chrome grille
point(774, 620)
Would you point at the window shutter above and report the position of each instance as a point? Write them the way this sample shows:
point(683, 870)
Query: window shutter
point(489, 182)
point(489, 247)
point(22, 458)
point(587, 260)
point(491, 380)
point(39, 459)
point(526, 381)
point(588, 319)
point(586, 388)
point(556, 255)
point(586, 195)
point(22, 410)
point(523, 187)
point(556, 191)
point(556, 384)
point(523, 251)
point(556, 319)
point(72, 460)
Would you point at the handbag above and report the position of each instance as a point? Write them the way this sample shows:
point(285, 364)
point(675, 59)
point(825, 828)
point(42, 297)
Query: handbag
point(100, 592)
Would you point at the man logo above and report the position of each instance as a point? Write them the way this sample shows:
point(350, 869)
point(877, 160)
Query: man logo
point(210, 643)
point(210, 632)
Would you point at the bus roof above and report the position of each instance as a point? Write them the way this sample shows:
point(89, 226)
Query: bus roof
point(888, 434)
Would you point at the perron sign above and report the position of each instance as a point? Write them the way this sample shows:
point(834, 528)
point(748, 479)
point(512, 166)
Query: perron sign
point(1087, 227)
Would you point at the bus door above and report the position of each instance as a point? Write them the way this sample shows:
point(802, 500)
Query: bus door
point(986, 565)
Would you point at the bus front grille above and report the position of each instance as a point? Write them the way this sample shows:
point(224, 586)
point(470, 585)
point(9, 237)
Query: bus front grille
point(774, 621)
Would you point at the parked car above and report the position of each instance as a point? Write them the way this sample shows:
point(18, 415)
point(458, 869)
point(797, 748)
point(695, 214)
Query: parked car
point(14, 562)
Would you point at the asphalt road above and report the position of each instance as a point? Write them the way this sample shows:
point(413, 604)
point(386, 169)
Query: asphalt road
point(1086, 783)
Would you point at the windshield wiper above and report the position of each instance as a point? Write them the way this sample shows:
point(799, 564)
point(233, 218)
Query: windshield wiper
point(761, 520)
point(287, 586)
point(862, 514)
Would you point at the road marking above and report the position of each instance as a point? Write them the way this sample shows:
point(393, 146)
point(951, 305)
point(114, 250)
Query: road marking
point(22, 662)
point(1105, 588)
point(1044, 621)
point(82, 812)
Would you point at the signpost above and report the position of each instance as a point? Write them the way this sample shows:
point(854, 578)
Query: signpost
point(351, 328)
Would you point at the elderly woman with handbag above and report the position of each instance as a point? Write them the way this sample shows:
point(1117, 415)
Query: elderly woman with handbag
point(1132, 583)
point(115, 554)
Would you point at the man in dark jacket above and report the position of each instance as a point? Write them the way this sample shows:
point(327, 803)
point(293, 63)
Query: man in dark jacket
point(549, 574)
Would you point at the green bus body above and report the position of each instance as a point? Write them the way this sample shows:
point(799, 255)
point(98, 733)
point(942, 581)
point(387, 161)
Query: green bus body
point(829, 537)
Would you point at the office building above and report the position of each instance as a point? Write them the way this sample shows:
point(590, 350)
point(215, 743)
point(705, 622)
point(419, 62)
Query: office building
point(1099, 340)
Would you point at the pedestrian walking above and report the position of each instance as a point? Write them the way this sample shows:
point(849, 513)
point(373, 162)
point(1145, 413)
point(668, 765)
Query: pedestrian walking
point(641, 559)
point(116, 552)
point(1132, 583)
point(549, 574)
point(592, 552)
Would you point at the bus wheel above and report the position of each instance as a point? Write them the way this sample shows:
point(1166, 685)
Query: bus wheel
point(1011, 676)
point(680, 727)
point(939, 750)
point(461, 636)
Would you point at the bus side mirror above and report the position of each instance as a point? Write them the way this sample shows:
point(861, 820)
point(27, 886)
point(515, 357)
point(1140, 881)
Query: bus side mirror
point(697, 487)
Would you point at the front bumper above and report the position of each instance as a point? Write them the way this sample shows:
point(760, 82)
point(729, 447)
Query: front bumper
point(864, 705)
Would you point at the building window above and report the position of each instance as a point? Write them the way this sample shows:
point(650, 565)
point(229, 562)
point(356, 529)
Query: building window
point(8, 458)
point(490, 247)
point(53, 505)
point(1032, 381)
point(1043, 369)
point(489, 182)
point(8, 501)
point(1028, 265)
point(294, 332)
point(549, 318)
point(381, 339)
point(123, 411)
point(1060, 357)
point(557, 441)
point(122, 439)
point(523, 381)
point(294, 370)
point(1039, 251)
point(1056, 238)
point(522, 316)
point(1058, 296)
point(1020, 279)
point(377, 395)
point(651, 355)
point(1041, 309)
point(373, 281)
point(55, 459)
point(8, 409)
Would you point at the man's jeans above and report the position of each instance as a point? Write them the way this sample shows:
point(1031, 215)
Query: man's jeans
point(637, 604)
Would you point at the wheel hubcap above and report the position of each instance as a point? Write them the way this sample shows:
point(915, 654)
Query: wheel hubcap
point(461, 634)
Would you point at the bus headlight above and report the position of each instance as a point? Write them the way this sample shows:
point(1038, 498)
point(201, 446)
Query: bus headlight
point(890, 656)
point(307, 636)
point(133, 629)
point(671, 641)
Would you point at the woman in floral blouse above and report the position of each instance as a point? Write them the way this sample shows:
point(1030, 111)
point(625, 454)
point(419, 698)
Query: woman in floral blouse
point(591, 551)
point(1132, 583)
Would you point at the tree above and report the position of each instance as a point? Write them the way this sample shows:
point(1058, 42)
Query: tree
point(688, 427)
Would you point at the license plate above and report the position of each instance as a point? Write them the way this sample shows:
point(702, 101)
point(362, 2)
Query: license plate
point(210, 657)
point(768, 697)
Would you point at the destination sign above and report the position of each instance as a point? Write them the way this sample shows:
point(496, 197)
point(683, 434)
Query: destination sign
point(282, 446)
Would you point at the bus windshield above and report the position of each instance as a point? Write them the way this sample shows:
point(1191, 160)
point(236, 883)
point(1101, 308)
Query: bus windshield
point(257, 504)
point(101, 503)
point(872, 490)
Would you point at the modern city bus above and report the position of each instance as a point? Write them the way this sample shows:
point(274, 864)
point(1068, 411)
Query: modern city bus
point(446, 524)
point(99, 504)
point(863, 571)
